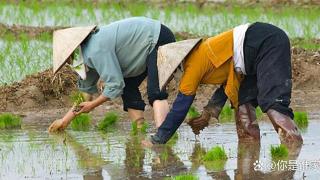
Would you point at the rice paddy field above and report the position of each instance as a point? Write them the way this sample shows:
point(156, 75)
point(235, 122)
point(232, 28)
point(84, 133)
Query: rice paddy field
point(30, 152)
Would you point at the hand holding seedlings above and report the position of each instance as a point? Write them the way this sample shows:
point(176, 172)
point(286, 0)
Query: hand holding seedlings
point(85, 107)
point(61, 124)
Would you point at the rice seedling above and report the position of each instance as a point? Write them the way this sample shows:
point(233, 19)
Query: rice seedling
point(108, 121)
point(215, 154)
point(81, 122)
point(9, 121)
point(135, 129)
point(193, 113)
point(301, 119)
point(173, 140)
point(215, 159)
point(279, 152)
point(184, 177)
point(259, 113)
point(226, 114)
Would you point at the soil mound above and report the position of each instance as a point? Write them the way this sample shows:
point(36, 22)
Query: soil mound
point(43, 90)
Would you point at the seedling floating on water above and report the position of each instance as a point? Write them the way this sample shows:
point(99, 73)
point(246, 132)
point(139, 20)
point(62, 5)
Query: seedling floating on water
point(9, 121)
point(108, 121)
point(301, 119)
point(279, 152)
point(184, 177)
point(135, 130)
point(215, 159)
point(193, 113)
point(81, 122)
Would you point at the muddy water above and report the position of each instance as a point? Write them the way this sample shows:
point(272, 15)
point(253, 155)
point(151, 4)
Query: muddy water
point(31, 153)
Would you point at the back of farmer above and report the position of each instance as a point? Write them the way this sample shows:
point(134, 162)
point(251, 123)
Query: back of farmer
point(121, 54)
point(257, 51)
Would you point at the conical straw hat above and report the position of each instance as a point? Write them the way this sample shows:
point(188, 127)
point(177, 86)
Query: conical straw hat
point(170, 57)
point(65, 41)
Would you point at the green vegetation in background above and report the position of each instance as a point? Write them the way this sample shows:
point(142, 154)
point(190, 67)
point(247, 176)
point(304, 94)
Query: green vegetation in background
point(193, 113)
point(215, 159)
point(183, 177)
point(9, 121)
point(209, 20)
point(301, 119)
point(135, 130)
point(226, 114)
point(81, 122)
point(108, 121)
point(307, 44)
point(279, 152)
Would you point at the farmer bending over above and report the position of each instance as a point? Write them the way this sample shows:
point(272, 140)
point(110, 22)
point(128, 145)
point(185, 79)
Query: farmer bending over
point(260, 51)
point(121, 54)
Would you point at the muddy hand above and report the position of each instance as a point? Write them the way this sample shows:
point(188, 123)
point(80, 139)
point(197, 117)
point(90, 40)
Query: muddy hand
point(57, 125)
point(199, 123)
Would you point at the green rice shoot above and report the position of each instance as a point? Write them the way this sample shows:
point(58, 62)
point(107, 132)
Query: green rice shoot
point(226, 114)
point(193, 113)
point(215, 154)
point(77, 98)
point(259, 113)
point(301, 119)
point(81, 122)
point(184, 177)
point(173, 140)
point(279, 152)
point(9, 121)
point(135, 130)
point(108, 121)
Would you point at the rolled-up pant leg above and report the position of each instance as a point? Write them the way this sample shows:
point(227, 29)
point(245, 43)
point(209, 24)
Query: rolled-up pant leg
point(153, 90)
point(131, 96)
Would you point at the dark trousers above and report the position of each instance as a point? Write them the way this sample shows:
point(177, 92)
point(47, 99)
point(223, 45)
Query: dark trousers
point(268, 82)
point(131, 96)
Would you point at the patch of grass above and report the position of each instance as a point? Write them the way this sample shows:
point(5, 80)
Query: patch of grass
point(108, 121)
point(9, 121)
point(81, 122)
point(226, 114)
point(184, 177)
point(135, 130)
point(259, 113)
point(279, 152)
point(301, 119)
point(215, 154)
point(307, 44)
point(193, 113)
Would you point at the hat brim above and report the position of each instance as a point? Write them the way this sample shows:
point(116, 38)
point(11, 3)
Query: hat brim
point(170, 57)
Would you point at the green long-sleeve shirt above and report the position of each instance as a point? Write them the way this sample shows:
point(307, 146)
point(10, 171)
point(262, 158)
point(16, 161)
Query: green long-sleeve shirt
point(117, 51)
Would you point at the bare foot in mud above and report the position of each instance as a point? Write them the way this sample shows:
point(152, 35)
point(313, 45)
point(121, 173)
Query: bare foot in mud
point(146, 143)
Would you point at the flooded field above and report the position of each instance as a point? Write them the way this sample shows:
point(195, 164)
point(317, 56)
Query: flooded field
point(32, 153)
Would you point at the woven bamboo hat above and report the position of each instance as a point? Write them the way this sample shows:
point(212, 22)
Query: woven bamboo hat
point(65, 41)
point(170, 57)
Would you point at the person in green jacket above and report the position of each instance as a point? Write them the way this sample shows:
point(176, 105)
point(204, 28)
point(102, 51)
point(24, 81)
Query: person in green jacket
point(121, 54)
